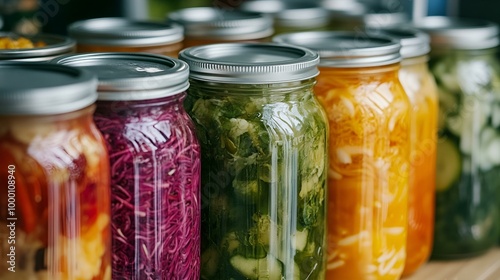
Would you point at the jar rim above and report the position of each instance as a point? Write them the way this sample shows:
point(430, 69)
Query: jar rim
point(290, 14)
point(345, 48)
point(208, 22)
point(413, 42)
point(55, 45)
point(132, 76)
point(115, 31)
point(250, 63)
point(33, 88)
point(459, 33)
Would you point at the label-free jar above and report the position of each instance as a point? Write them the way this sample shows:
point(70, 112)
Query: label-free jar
point(155, 163)
point(55, 195)
point(368, 173)
point(263, 136)
point(463, 61)
point(421, 89)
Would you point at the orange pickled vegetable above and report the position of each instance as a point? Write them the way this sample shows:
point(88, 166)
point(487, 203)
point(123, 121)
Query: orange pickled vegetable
point(421, 90)
point(369, 121)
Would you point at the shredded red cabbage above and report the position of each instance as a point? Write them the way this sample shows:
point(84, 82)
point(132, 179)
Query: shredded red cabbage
point(155, 173)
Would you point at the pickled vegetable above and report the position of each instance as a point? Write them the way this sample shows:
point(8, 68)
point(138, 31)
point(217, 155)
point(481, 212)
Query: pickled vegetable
point(467, 213)
point(421, 89)
point(62, 210)
point(263, 180)
point(368, 172)
point(155, 167)
point(19, 43)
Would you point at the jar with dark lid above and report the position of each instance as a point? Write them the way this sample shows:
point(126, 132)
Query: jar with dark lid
point(368, 173)
point(205, 25)
point(56, 198)
point(155, 163)
point(263, 138)
point(463, 62)
point(290, 16)
point(126, 35)
point(355, 16)
point(421, 89)
point(40, 47)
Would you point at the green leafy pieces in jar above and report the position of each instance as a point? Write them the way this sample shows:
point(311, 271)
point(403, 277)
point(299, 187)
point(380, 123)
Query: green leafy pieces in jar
point(263, 181)
point(266, 268)
point(449, 165)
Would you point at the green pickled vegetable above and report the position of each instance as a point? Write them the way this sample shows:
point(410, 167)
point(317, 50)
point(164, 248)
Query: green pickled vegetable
point(264, 163)
point(467, 218)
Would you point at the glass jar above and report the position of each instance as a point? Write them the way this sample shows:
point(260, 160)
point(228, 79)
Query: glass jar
point(155, 163)
point(368, 173)
point(55, 201)
point(421, 89)
point(463, 62)
point(290, 16)
point(125, 35)
point(263, 138)
point(356, 16)
point(40, 47)
point(206, 25)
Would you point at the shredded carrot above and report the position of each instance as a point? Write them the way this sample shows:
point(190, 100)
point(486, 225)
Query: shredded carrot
point(368, 171)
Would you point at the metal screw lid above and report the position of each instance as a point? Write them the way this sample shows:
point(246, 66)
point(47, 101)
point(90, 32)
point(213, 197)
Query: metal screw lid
point(31, 88)
point(290, 14)
point(459, 33)
point(413, 42)
point(124, 32)
point(55, 45)
point(206, 22)
point(346, 49)
point(250, 63)
point(132, 76)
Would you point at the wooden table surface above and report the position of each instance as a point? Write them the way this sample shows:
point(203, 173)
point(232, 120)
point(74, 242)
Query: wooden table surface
point(484, 267)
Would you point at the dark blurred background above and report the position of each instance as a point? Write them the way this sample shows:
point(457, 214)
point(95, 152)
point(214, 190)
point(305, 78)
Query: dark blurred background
point(53, 16)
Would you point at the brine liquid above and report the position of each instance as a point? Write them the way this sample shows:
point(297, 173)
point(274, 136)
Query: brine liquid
point(62, 198)
point(368, 172)
point(422, 92)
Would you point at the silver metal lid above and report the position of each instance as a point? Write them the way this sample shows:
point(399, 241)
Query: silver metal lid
point(124, 32)
point(365, 15)
point(132, 76)
point(250, 63)
point(346, 49)
point(290, 14)
point(30, 88)
point(413, 42)
point(206, 22)
point(458, 33)
point(384, 18)
point(55, 45)
point(341, 8)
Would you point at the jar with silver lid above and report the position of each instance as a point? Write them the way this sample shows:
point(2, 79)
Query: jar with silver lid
point(126, 35)
point(33, 48)
point(368, 173)
point(264, 144)
point(155, 163)
point(421, 89)
point(206, 25)
point(56, 196)
point(290, 16)
point(356, 16)
point(463, 62)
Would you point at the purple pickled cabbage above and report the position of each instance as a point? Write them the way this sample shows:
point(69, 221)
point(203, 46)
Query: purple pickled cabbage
point(155, 173)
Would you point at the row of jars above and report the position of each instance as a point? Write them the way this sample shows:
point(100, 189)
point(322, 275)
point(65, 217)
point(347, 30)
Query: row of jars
point(251, 21)
point(275, 163)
